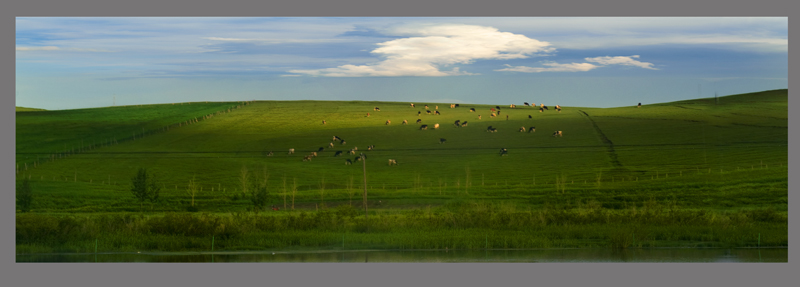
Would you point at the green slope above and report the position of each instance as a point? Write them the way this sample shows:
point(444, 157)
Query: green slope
point(684, 141)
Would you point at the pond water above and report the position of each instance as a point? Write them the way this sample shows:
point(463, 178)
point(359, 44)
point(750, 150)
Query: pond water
point(528, 255)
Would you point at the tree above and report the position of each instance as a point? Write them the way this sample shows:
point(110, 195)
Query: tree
point(145, 187)
point(191, 189)
point(24, 195)
point(259, 194)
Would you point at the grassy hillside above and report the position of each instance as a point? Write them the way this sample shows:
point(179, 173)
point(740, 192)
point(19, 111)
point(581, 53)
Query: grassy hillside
point(24, 109)
point(699, 154)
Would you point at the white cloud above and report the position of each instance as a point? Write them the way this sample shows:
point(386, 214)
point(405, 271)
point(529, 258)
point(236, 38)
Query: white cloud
point(438, 46)
point(622, 60)
point(551, 67)
point(272, 41)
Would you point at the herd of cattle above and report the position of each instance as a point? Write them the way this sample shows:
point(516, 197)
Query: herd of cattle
point(458, 123)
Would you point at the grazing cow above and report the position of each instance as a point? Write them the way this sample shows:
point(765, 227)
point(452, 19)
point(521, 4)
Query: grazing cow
point(388, 122)
point(343, 142)
point(532, 129)
point(419, 113)
point(358, 158)
point(489, 129)
point(457, 123)
point(558, 107)
point(307, 158)
point(452, 106)
point(436, 126)
point(376, 109)
point(423, 127)
point(412, 105)
point(352, 151)
point(392, 162)
point(498, 112)
point(497, 107)
point(367, 114)
point(441, 140)
point(291, 151)
point(428, 112)
point(321, 149)
point(493, 115)
point(338, 153)
point(370, 147)
point(437, 112)
point(639, 106)
point(557, 134)
point(503, 152)
point(522, 129)
point(419, 120)
point(405, 122)
point(494, 130)
point(479, 117)
point(559, 110)
point(526, 104)
point(512, 106)
point(330, 145)
point(545, 107)
point(348, 162)
point(530, 117)
point(323, 122)
point(457, 105)
point(269, 154)
point(541, 105)
point(464, 124)
point(314, 154)
point(541, 110)
point(426, 107)
point(492, 109)
point(437, 107)
point(336, 138)
point(471, 110)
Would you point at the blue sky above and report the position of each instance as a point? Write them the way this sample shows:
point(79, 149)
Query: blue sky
point(69, 63)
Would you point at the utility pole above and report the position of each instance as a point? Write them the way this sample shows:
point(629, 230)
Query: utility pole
point(364, 164)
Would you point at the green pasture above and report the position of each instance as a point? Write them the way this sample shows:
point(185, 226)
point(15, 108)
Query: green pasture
point(724, 155)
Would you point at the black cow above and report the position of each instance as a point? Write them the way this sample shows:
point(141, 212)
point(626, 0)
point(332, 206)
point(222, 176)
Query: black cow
point(464, 124)
point(457, 105)
point(497, 107)
point(639, 106)
point(545, 107)
point(348, 162)
point(441, 140)
point(419, 113)
point(429, 112)
point(541, 110)
point(503, 152)
point(338, 153)
point(412, 105)
point(472, 110)
point(527, 104)
point(336, 138)
point(358, 158)
point(532, 129)
point(377, 109)
point(423, 127)
point(437, 112)
point(530, 117)
point(419, 120)
point(321, 149)
point(342, 142)
point(489, 129)
point(457, 123)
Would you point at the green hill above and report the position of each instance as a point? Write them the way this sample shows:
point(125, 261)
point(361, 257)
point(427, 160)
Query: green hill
point(699, 156)
point(24, 109)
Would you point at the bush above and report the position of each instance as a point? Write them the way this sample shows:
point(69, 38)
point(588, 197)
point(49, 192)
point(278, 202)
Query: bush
point(24, 195)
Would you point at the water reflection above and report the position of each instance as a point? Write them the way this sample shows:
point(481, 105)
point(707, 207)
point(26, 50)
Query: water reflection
point(538, 255)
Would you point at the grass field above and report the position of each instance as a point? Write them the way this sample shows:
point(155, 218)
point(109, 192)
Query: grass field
point(712, 174)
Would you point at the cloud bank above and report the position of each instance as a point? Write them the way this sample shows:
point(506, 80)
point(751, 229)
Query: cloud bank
point(435, 47)
point(581, 67)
